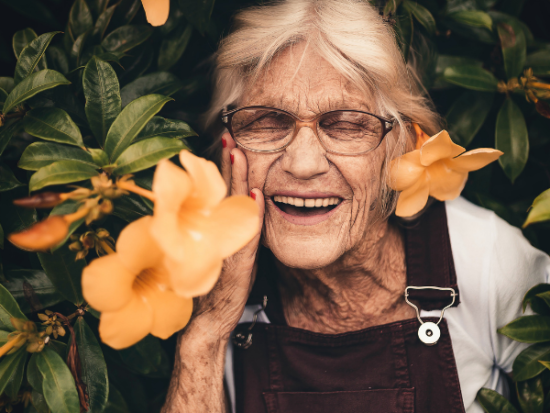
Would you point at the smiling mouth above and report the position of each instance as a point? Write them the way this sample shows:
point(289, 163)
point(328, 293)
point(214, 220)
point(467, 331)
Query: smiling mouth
point(305, 207)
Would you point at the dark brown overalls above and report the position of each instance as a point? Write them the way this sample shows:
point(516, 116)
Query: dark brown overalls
point(380, 369)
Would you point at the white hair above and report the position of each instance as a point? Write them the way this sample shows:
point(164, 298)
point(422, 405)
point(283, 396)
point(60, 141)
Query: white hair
point(352, 37)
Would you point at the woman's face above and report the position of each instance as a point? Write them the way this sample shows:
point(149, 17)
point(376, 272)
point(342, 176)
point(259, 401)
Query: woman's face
point(303, 237)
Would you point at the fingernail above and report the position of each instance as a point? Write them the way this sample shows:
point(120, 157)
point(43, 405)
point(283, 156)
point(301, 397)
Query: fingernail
point(224, 143)
point(253, 195)
point(232, 158)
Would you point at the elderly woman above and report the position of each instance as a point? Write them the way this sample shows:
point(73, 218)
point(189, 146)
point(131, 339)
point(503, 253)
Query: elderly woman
point(312, 315)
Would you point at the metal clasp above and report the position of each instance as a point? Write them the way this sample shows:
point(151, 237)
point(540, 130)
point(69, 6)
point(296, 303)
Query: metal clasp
point(244, 339)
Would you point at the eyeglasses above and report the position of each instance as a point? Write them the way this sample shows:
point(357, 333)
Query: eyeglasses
point(343, 132)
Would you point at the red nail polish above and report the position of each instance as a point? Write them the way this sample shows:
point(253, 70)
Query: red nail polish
point(232, 158)
point(253, 195)
point(224, 143)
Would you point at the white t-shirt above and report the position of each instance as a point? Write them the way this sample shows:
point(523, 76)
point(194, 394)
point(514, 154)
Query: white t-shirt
point(495, 266)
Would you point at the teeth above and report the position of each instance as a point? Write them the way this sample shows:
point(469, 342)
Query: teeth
point(308, 203)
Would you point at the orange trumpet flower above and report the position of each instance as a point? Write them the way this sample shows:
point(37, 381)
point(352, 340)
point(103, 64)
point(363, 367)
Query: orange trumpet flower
point(156, 11)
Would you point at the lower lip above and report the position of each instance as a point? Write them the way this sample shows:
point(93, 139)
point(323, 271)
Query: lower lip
point(306, 221)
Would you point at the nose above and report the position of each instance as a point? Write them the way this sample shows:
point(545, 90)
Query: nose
point(305, 158)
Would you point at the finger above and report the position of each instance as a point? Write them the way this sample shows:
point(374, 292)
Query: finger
point(239, 172)
point(258, 196)
point(228, 144)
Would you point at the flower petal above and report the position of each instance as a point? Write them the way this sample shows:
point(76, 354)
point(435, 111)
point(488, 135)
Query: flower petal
point(156, 11)
point(209, 186)
point(171, 185)
point(123, 328)
point(235, 222)
point(413, 199)
point(405, 171)
point(170, 312)
point(136, 247)
point(445, 183)
point(197, 275)
point(474, 160)
point(107, 283)
point(42, 235)
point(438, 147)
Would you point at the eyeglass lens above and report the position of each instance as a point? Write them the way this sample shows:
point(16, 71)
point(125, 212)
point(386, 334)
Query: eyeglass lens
point(340, 131)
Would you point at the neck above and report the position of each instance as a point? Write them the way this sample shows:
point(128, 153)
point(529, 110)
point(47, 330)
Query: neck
point(363, 288)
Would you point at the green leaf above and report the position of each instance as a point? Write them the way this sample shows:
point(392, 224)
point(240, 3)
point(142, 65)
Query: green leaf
point(14, 384)
point(147, 357)
point(64, 272)
point(9, 366)
point(540, 210)
point(162, 83)
point(94, 369)
point(405, 31)
point(130, 208)
point(99, 156)
point(493, 402)
point(97, 7)
point(53, 124)
point(472, 18)
point(130, 122)
point(146, 153)
point(165, 128)
point(539, 61)
point(467, 115)
point(32, 85)
point(526, 364)
point(511, 137)
point(116, 403)
point(13, 218)
point(58, 384)
point(8, 309)
point(198, 12)
point(67, 207)
point(7, 132)
point(39, 402)
point(173, 46)
point(57, 59)
point(40, 154)
point(77, 49)
point(421, 14)
point(514, 48)
point(471, 77)
point(21, 39)
point(8, 181)
point(34, 377)
point(102, 93)
point(102, 23)
point(31, 55)
point(80, 18)
point(61, 172)
point(126, 38)
point(31, 287)
point(531, 395)
point(528, 329)
point(537, 304)
point(7, 83)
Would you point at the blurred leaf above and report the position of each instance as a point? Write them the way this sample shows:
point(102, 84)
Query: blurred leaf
point(422, 15)
point(197, 12)
point(33, 9)
point(467, 115)
point(131, 207)
point(34, 377)
point(526, 364)
point(514, 48)
point(471, 77)
point(97, 7)
point(147, 357)
point(405, 30)
point(126, 38)
point(540, 210)
point(12, 218)
point(32, 85)
point(173, 46)
point(57, 59)
point(512, 7)
point(130, 122)
point(162, 83)
point(102, 93)
point(61, 172)
point(9, 366)
point(511, 137)
point(40, 154)
point(94, 369)
point(531, 395)
point(7, 132)
point(64, 272)
point(14, 384)
point(102, 23)
point(7, 84)
point(166, 128)
point(8, 181)
point(58, 385)
point(21, 39)
point(538, 305)
point(116, 403)
point(38, 401)
point(539, 61)
point(99, 156)
point(146, 153)
point(53, 124)
point(20, 281)
point(67, 207)
point(31, 55)
point(494, 402)
point(528, 329)
point(80, 18)
point(8, 309)
point(126, 11)
point(77, 49)
point(472, 18)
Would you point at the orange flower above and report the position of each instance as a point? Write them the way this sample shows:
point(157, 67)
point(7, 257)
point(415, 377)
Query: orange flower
point(434, 169)
point(156, 11)
point(131, 289)
point(195, 225)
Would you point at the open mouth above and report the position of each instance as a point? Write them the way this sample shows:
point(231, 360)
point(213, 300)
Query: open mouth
point(305, 207)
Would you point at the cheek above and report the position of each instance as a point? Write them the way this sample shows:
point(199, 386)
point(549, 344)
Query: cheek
point(258, 168)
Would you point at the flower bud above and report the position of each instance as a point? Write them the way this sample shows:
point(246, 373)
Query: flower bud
point(41, 236)
point(42, 200)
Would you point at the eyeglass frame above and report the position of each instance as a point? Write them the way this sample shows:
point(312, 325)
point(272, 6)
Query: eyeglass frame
point(226, 117)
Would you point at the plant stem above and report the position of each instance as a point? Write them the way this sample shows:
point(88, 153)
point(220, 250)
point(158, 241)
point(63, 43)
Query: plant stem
point(130, 186)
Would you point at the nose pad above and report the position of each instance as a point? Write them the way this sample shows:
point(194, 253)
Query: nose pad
point(305, 157)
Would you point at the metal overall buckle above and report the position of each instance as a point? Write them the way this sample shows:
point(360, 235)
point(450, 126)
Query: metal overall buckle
point(429, 332)
point(243, 339)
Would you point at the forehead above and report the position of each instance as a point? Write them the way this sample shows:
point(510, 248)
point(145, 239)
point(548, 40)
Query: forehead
point(302, 82)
